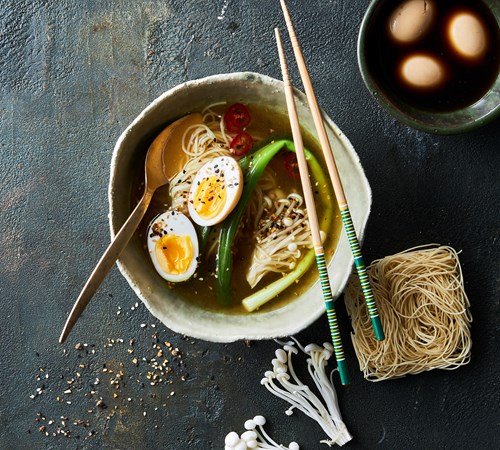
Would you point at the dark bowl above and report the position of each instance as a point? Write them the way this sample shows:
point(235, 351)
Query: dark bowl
point(458, 121)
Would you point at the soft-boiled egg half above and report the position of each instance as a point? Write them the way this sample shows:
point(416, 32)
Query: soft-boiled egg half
point(173, 246)
point(215, 191)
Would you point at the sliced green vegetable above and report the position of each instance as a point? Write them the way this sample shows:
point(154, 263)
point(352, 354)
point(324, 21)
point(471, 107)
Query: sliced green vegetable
point(253, 166)
point(203, 235)
point(254, 301)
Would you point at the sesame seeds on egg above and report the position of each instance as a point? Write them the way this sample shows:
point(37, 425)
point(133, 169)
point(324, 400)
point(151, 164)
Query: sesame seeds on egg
point(215, 191)
point(173, 246)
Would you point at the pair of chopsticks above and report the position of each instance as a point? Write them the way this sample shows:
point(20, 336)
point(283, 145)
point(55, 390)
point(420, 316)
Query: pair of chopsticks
point(309, 199)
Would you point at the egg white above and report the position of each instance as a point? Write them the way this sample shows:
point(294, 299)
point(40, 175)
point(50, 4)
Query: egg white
point(227, 170)
point(177, 224)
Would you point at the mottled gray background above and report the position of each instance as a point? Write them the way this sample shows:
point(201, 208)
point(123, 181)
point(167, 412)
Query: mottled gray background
point(73, 75)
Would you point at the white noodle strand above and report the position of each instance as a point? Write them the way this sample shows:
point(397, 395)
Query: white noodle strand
point(201, 143)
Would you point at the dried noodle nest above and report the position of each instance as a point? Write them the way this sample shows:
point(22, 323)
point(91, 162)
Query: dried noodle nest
point(424, 310)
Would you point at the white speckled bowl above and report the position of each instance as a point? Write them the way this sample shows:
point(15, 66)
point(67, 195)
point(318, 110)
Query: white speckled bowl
point(163, 303)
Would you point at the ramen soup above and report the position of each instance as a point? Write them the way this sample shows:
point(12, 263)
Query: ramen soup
point(233, 221)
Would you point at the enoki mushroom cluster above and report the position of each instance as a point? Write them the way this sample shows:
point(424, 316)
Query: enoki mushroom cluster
point(255, 438)
point(283, 382)
point(281, 236)
point(424, 311)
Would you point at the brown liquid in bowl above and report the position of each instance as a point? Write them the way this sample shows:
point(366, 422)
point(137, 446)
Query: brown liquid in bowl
point(201, 290)
point(466, 81)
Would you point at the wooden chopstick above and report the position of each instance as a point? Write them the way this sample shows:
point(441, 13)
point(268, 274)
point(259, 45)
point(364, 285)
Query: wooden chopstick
point(312, 216)
point(335, 178)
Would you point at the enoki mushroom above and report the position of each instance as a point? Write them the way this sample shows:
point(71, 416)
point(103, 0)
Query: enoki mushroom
point(281, 235)
point(283, 382)
point(255, 438)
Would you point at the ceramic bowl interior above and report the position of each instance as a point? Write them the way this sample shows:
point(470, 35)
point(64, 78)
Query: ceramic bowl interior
point(181, 316)
point(459, 121)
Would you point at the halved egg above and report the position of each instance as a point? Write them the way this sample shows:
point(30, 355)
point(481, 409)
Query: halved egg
point(173, 246)
point(215, 191)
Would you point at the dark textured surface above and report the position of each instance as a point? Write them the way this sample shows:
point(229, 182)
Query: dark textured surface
point(72, 77)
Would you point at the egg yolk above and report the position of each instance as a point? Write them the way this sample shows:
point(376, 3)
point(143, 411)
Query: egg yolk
point(210, 197)
point(174, 253)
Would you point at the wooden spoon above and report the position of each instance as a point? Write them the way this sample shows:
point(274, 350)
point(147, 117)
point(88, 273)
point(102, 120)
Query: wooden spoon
point(163, 161)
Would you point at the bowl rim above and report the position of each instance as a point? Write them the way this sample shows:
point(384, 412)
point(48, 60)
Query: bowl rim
point(314, 312)
point(381, 98)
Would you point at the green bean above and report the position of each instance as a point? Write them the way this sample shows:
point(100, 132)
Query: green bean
point(253, 166)
point(203, 234)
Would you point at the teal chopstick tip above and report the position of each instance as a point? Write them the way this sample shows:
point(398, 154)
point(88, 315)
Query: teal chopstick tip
point(344, 374)
point(377, 326)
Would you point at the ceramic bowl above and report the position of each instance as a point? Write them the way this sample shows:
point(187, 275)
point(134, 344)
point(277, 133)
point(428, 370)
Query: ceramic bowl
point(183, 317)
point(459, 121)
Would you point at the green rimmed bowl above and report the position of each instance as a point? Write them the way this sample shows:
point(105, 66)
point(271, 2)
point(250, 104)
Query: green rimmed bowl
point(468, 118)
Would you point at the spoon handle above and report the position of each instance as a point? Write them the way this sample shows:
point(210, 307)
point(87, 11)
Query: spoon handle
point(106, 262)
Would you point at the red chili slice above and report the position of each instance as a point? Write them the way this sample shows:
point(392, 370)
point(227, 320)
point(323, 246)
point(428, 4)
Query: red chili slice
point(292, 165)
point(241, 144)
point(237, 118)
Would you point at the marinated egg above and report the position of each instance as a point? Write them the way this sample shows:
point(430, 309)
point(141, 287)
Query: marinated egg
point(411, 20)
point(422, 71)
point(173, 246)
point(215, 191)
point(467, 35)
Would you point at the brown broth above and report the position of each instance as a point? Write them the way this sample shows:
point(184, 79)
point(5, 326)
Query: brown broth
point(200, 290)
point(465, 81)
